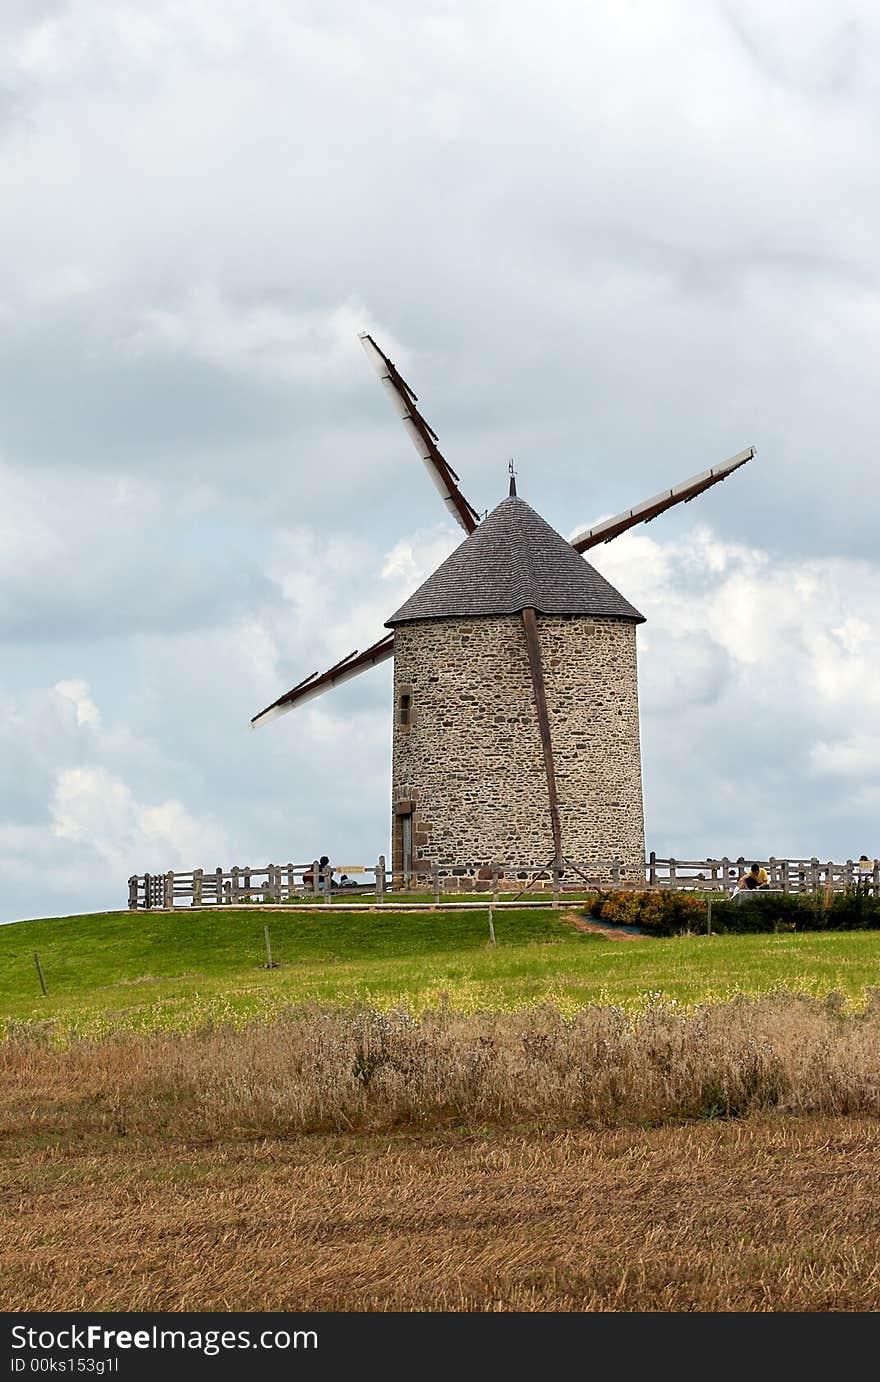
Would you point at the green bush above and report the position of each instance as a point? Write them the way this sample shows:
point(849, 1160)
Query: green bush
point(663, 913)
point(855, 910)
point(766, 912)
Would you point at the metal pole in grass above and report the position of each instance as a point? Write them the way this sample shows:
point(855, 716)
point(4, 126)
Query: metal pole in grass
point(491, 928)
point(269, 963)
point(40, 972)
point(709, 918)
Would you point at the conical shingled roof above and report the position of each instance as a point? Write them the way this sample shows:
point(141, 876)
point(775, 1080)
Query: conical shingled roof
point(514, 560)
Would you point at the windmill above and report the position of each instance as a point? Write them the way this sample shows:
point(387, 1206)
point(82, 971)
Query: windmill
point(516, 731)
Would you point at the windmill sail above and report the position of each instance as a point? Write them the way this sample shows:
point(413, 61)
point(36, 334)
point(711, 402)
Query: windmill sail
point(423, 437)
point(650, 508)
point(318, 683)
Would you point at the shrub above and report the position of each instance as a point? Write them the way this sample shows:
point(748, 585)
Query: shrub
point(622, 908)
point(854, 910)
point(767, 912)
point(663, 913)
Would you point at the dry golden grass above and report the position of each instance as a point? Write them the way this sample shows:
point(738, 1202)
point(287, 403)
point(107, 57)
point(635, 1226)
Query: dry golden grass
point(503, 1162)
point(759, 1214)
point(366, 1071)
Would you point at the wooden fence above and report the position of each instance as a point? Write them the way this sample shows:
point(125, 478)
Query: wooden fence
point(785, 875)
point(242, 884)
point(286, 883)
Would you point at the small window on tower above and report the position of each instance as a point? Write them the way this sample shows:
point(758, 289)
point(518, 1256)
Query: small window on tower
point(405, 704)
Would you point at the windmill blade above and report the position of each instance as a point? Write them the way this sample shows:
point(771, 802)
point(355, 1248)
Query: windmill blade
point(318, 683)
point(650, 508)
point(423, 437)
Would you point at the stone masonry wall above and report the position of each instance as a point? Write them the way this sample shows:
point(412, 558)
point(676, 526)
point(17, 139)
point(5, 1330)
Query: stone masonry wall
point(467, 749)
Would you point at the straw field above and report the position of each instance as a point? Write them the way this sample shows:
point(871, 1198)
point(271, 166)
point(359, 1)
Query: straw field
point(718, 1159)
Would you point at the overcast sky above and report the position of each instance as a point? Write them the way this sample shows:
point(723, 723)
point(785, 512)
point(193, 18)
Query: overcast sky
point(617, 241)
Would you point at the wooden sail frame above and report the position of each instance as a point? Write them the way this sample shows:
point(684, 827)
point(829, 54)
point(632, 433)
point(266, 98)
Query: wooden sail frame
point(445, 480)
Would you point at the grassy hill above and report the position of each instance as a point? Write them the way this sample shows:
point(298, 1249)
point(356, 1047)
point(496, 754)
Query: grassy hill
point(181, 970)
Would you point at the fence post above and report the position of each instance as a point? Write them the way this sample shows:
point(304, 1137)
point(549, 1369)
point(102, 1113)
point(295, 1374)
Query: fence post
point(848, 874)
point(169, 890)
point(673, 877)
point(491, 928)
point(556, 883)
point(814, 874)
point(652, 868)
point(773, 871)
point(725, 875)
point(435, 879)
point(328, 884)
point(496, 872)
point(876, 878)
point(148, 899)
point(709, 917)
point(316, 880)
point(40, 972)
point(218, 875)
point(198, 875)
point(380, 880)
point(269, 964)
point(289, 881)
point(133, 893)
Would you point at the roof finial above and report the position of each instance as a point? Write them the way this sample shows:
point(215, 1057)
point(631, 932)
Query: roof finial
point(512, 473)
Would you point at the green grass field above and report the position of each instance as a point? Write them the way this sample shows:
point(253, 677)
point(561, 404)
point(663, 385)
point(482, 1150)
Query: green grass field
point(180, 971)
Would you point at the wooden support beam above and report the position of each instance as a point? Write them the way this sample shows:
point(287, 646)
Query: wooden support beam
point(536, 668)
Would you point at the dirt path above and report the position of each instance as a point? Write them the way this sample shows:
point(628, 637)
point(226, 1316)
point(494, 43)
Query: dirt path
point(602, 928)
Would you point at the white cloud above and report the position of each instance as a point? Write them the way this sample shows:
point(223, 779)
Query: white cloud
point(798, 634)
point(77, 692)
point(758, 695)
point(81, 828)
point(317, 347)
point(412, 560)
point(91, 807)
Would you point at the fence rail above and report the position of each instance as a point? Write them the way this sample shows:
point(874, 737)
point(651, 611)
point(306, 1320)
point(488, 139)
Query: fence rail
point(785, 875)
point(287, 883)
point(241, 884)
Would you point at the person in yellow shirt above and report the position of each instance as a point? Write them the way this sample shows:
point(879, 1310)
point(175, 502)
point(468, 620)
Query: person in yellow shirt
point(757, 877)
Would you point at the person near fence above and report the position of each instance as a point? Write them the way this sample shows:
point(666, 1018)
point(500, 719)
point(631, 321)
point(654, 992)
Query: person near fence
point(756, 877)
point(866, 868)
point(324, 876)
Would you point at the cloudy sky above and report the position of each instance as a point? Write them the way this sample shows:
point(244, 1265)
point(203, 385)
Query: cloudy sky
point(617, 241)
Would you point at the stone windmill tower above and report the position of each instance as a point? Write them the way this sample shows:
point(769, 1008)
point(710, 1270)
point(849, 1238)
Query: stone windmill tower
point(516, 724)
